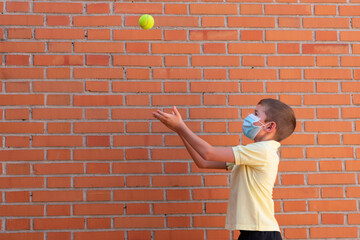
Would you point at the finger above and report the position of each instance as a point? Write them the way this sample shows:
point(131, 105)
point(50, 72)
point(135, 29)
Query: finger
point(164, 114)
point(176, 111)
point(157, 115)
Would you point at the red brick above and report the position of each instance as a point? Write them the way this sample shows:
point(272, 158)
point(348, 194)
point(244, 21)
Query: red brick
point(288, 35)
point(54, 33)
point(58, 168)
point(95, 113)
point(253, 74)
point(175, 48)
point(22, 155)
point(179, 234)
point(332, 178)
point(16, 114)
point(22, 210)
point(18, 224)
point(58, 154)
point(13, 141)
point(200, 113)
point(288, 10)
point(58, 100)
point(251, 22)
point(173, 73)
point(24, 235)
point(110, 235)
point(57, 141)
point(98, 127)
point(49, 7)
point(326, 23)
point(98, 141)
point(98, 47)
point(17, 7)
point(171, 61)
point(57, 113)
point(19, 33)
point(231, 61)
point(99, 73)
point(325, 10)
point(21, 127)
point(17, 87)
point(57, 73)
point(297, 219)
point(17, 60)
point(333, 232)
point(98, 154)
point(58, 210)
point(133, 34)
point(294, 206)
point(59, 127)
point(57, 20)
point(325, 48)
point(180, 222)
point(57, 196)
point(103, 181)
point(135, 60)
point(57, 60)
point(212, 194)
point(60, 47)
point(296, 193)
point(332, 192)
point(213, 35)
point(98, 34)
point(98, 209)
point(97, 8)
point(209, 221)
point(22, 20)
point(59, 182)
point(98, 100)
point(176, 181)
point(326, 36)
point(138, 195)
point(181, 208)
point(137, 168)
point(97, 21)
point(58, 223)
point(139, 222)
point(12, 197)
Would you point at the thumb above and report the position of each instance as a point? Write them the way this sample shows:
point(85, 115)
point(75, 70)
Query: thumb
point(176, 111)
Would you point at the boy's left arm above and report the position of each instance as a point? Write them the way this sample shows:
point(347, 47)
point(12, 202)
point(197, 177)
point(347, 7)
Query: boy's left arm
point(205, 150)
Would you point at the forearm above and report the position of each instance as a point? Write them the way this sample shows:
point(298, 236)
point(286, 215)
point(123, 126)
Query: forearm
point(199, 161)
point(206, 151)
point(202, 148)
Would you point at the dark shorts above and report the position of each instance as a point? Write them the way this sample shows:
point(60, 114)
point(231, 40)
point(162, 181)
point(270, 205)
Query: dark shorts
point(259, 235)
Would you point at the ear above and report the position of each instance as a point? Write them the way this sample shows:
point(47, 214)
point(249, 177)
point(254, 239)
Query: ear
point(270, 127)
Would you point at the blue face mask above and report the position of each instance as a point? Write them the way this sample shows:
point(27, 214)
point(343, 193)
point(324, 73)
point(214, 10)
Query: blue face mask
point(248, 127)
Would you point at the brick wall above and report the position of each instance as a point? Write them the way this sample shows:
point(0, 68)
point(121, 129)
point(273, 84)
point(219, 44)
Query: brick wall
point(82, 157)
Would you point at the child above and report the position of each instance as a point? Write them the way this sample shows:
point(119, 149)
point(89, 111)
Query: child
point(254, 166)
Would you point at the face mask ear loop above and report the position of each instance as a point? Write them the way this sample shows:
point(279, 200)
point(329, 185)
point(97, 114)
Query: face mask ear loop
point(266, 124)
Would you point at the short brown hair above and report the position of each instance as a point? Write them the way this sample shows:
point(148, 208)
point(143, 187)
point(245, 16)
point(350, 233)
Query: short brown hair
point(282, 115)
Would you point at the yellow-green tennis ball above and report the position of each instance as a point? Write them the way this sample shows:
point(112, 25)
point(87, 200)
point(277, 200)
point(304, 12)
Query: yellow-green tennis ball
point(146, 21)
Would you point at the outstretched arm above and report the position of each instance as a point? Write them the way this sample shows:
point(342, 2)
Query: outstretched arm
point(205, 150)
point(199, 161)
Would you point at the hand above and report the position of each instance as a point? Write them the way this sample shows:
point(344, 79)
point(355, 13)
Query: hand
point(173, 121)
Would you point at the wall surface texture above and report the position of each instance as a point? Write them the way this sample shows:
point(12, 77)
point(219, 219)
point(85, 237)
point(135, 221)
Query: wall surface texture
point(82, 157)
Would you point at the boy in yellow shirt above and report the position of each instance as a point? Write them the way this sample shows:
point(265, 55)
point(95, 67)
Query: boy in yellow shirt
point(254, 166)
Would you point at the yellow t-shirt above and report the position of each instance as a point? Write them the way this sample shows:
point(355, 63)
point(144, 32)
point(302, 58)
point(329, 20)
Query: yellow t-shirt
point(252, 181)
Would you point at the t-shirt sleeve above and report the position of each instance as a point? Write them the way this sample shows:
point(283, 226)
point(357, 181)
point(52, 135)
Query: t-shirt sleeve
point(252, 154)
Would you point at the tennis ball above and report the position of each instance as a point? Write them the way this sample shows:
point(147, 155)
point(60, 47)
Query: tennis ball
point(146, 21)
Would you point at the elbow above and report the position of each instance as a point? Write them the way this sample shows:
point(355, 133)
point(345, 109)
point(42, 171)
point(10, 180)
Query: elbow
point(209, 154)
